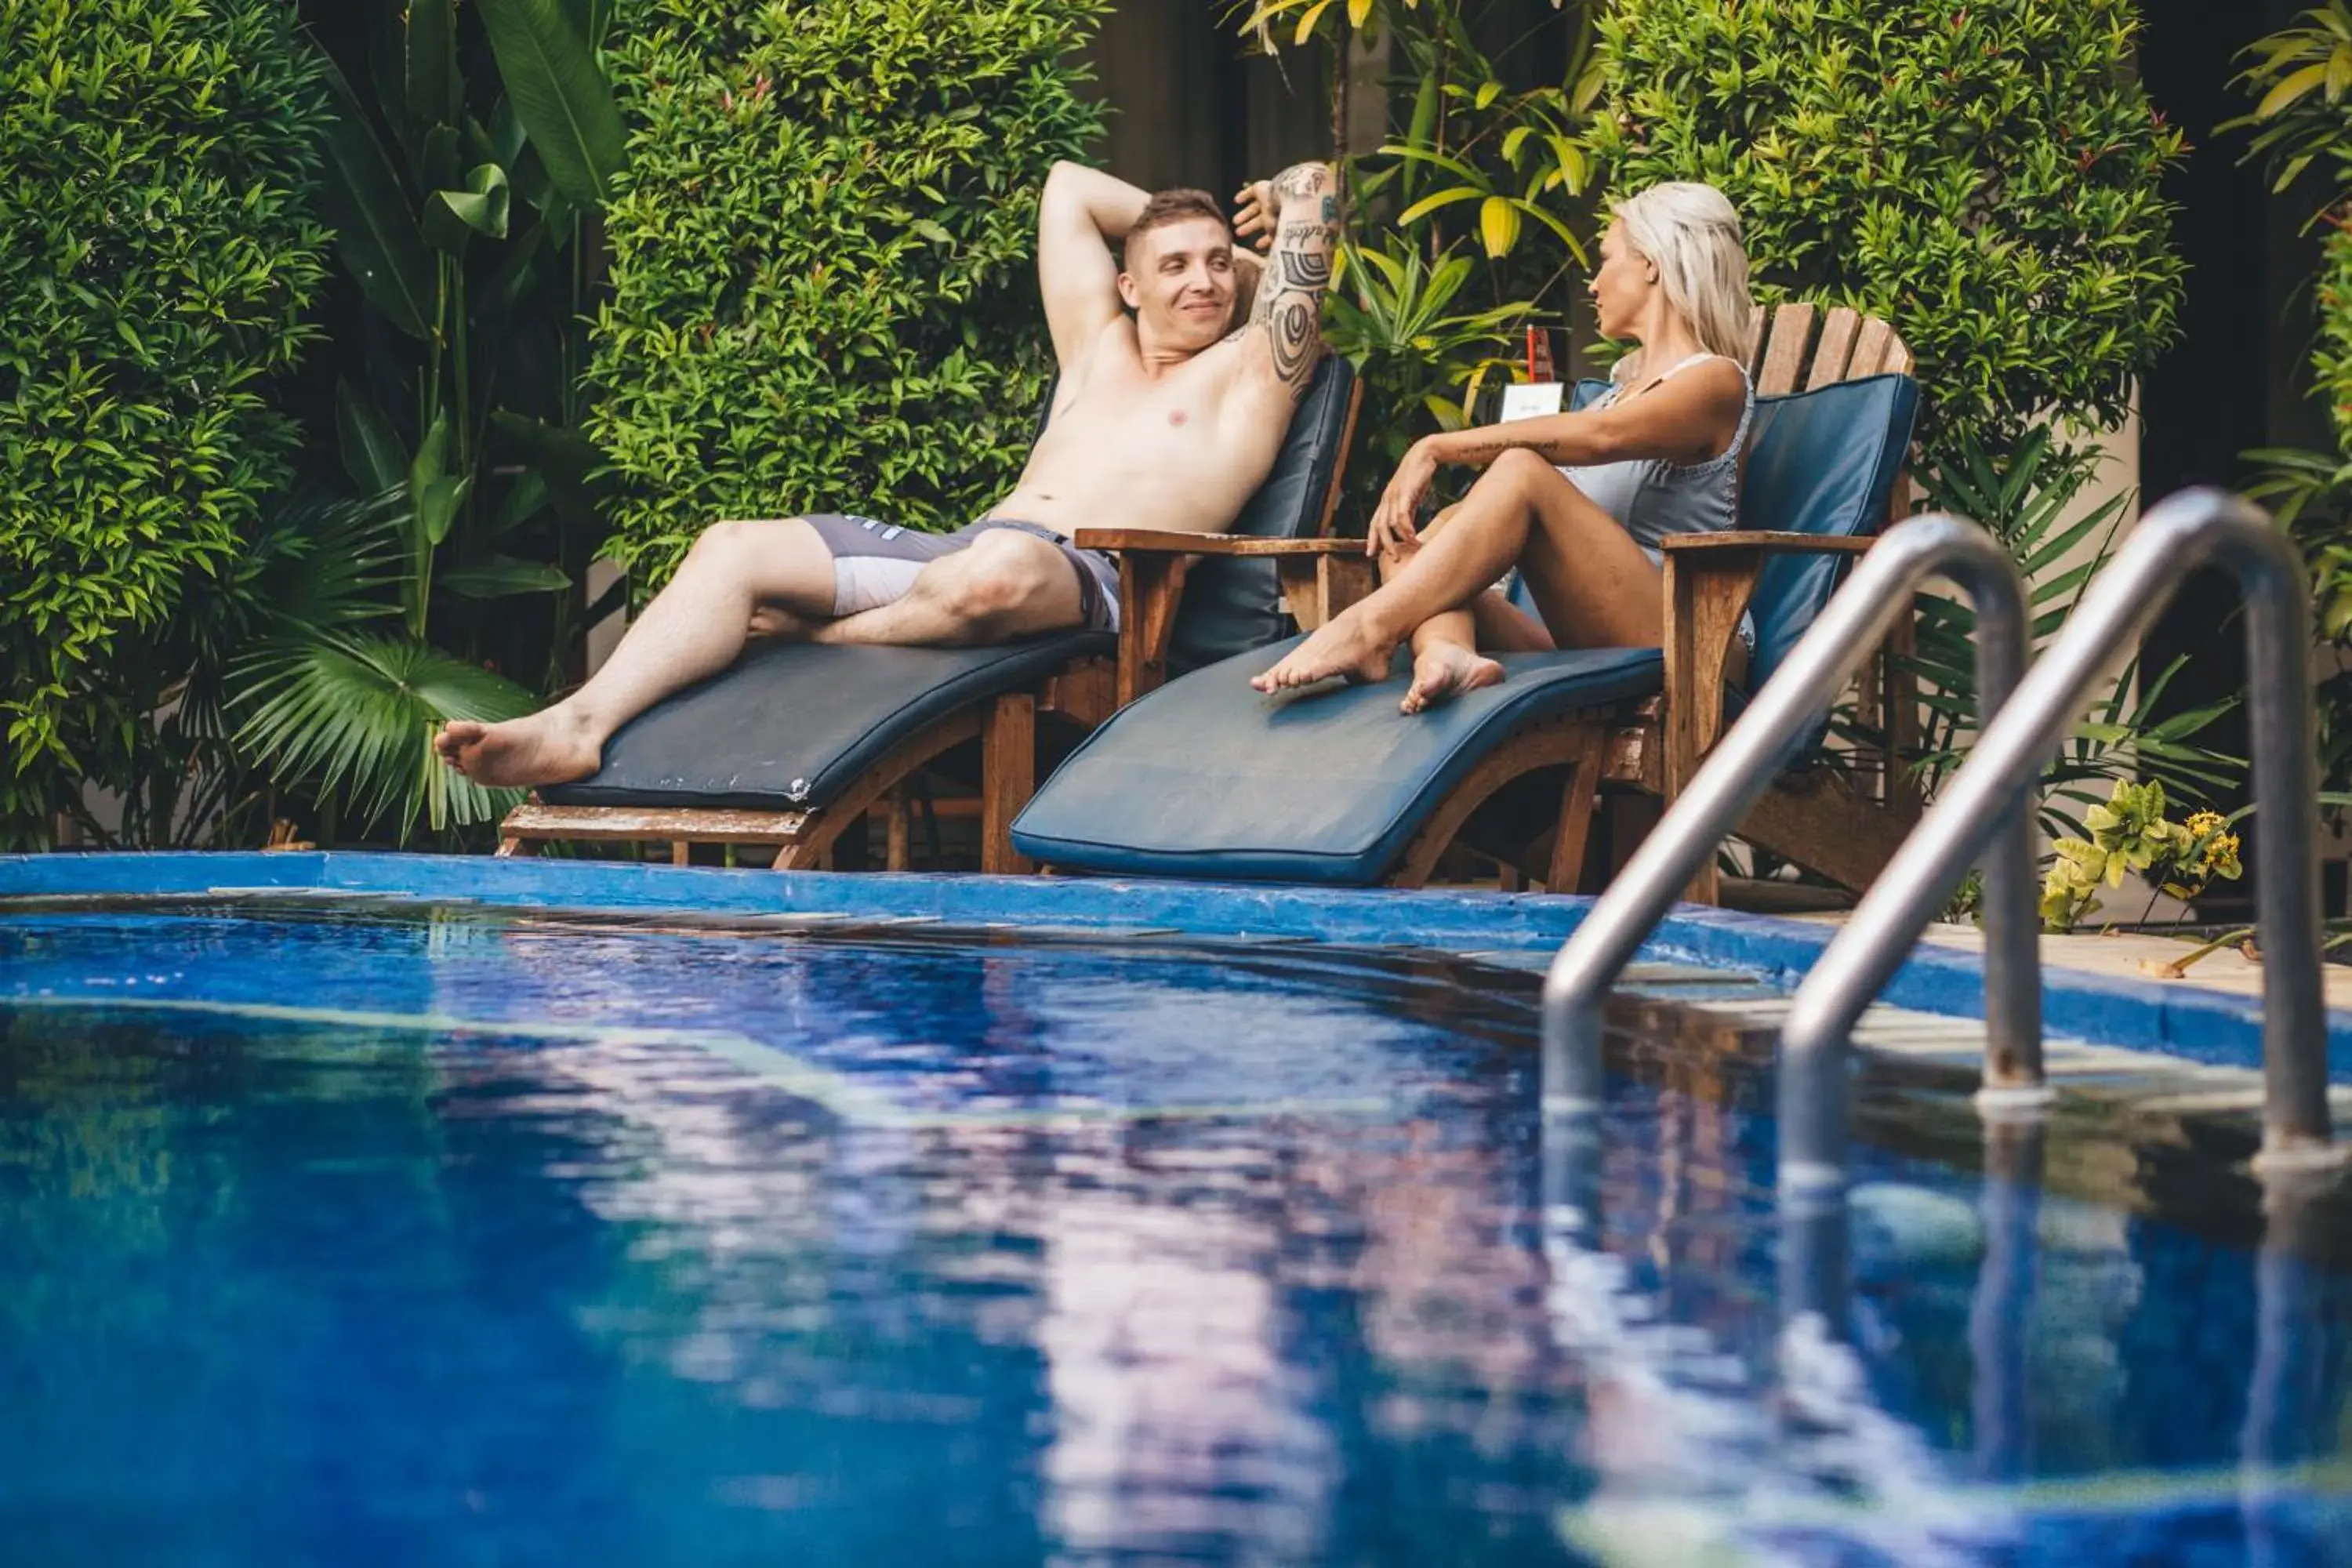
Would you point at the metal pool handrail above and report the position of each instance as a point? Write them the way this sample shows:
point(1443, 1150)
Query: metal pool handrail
point(1742, 767)
point(2194, 529)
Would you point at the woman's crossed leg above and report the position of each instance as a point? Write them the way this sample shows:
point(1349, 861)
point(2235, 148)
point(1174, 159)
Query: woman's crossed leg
point(1591, 584)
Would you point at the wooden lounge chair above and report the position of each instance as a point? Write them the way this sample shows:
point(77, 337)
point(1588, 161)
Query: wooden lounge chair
point(1338, 787)
point(794, 744)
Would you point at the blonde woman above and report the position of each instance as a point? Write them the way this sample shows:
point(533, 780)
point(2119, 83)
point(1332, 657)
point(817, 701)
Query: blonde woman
point(1577, 502)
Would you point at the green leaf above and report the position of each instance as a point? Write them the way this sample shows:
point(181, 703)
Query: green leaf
point(1428, 204)
point(1498, 225)
point(1567, 235)
point(437, 505)
point(375, 232)
point(480, 207)
point(525, 499)
point(502, 577)
point(1455, 166)
point(372, 454)
point(436, 95)
point(565, 104)
point(2289, 87)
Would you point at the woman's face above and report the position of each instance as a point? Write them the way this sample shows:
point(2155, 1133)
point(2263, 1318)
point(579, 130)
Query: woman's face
point(1622, 286)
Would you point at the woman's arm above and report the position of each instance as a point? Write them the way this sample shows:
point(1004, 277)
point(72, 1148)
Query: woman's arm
point(1688, 419)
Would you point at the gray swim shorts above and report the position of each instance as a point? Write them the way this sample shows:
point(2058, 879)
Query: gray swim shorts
point(875, 563)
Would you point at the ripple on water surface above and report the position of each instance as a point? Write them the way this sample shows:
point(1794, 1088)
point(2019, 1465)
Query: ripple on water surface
point(363, 1234)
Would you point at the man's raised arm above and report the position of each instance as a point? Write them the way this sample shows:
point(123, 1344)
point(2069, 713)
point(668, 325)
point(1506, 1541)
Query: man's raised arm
point(1302, 203)
point(1083, 214)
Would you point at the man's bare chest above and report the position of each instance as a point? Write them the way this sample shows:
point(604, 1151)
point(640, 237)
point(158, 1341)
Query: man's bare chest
point(1117, 419)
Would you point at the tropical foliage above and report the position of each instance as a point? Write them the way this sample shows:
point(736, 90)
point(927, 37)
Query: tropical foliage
point(1469, 222)
point(820, 257)
point(472, 148)
point(2031, 499)
point(2128, 834)
point(1986, 177)
point(157, 255)
point(2301, 79)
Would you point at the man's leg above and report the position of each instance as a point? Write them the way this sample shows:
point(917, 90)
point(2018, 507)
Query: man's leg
point(1593, 584)
point(1006, 584)
point(694, 627)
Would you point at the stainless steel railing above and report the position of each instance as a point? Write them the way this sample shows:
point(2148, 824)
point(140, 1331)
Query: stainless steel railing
point(1788, 710)
point(2185, 532)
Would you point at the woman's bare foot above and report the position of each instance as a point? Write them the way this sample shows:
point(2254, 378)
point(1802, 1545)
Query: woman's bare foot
point(1340, 646)
point(1443, 671)
point(548, 747)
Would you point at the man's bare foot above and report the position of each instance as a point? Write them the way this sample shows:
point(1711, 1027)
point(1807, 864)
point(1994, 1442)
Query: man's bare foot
point(1444, 671)
point(1340, 646)
point(547, 747)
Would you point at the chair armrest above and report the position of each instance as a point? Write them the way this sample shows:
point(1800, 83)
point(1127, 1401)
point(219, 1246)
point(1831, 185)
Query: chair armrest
point(1169, 541)
point(1699, 544)
point(1709, 578)
point(1320, 578)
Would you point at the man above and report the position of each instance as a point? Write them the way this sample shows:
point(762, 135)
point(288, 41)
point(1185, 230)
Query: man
point(1163, 419)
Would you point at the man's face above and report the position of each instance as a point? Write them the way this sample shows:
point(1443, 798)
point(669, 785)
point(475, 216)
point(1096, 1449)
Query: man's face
point(1179, 281)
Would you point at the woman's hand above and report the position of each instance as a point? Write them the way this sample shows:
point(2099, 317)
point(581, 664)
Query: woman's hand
point(1393, 526)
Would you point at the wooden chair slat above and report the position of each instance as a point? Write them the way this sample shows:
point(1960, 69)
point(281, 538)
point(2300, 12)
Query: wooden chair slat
point(1871, 348)
point(1784, 355)
point(1836, 347)
point(1755, 356)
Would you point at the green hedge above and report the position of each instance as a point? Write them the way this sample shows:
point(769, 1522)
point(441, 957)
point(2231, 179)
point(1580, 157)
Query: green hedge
point(822, 288)
point(2331, 348)
point(156, 257)
point(1986, 176)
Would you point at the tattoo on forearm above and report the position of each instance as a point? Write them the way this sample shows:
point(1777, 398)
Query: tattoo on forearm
point(1289, 304)
point(1479, 451)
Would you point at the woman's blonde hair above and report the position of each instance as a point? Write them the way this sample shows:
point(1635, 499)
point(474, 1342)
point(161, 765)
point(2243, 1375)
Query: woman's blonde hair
point(1690, 233)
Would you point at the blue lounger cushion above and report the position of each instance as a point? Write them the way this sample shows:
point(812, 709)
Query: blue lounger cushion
point(1208, 778)
point(789, 726)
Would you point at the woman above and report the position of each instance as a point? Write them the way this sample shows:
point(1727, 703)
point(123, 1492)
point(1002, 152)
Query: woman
point(1577, 502)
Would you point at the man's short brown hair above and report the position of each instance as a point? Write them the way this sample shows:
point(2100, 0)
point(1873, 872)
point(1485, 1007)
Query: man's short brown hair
point(1180, 205)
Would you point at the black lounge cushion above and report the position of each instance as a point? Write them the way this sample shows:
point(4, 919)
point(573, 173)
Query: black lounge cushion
point(789, 726)
point(1207, 778)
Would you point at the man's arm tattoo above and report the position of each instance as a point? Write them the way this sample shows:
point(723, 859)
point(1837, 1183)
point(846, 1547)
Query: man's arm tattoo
point(1289, 305)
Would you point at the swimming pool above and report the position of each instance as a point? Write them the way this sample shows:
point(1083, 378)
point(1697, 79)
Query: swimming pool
point(349, 1230)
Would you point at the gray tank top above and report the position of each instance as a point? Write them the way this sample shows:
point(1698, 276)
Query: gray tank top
point(1652, 497)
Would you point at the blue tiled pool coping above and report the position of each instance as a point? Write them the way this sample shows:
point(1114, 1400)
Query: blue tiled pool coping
point(2176, 1016)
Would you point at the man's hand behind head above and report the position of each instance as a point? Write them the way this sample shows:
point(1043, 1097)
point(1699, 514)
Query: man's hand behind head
point(1255, 214)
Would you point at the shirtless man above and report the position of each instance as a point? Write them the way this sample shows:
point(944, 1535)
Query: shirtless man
point(1164, 420)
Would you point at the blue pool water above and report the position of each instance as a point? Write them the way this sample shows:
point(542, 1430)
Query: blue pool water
point(354, 1233)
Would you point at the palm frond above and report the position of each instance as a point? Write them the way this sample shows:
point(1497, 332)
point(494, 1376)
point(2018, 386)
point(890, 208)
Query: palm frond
point(355, 711)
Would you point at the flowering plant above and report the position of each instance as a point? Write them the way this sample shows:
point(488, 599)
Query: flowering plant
point(2131, 833)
